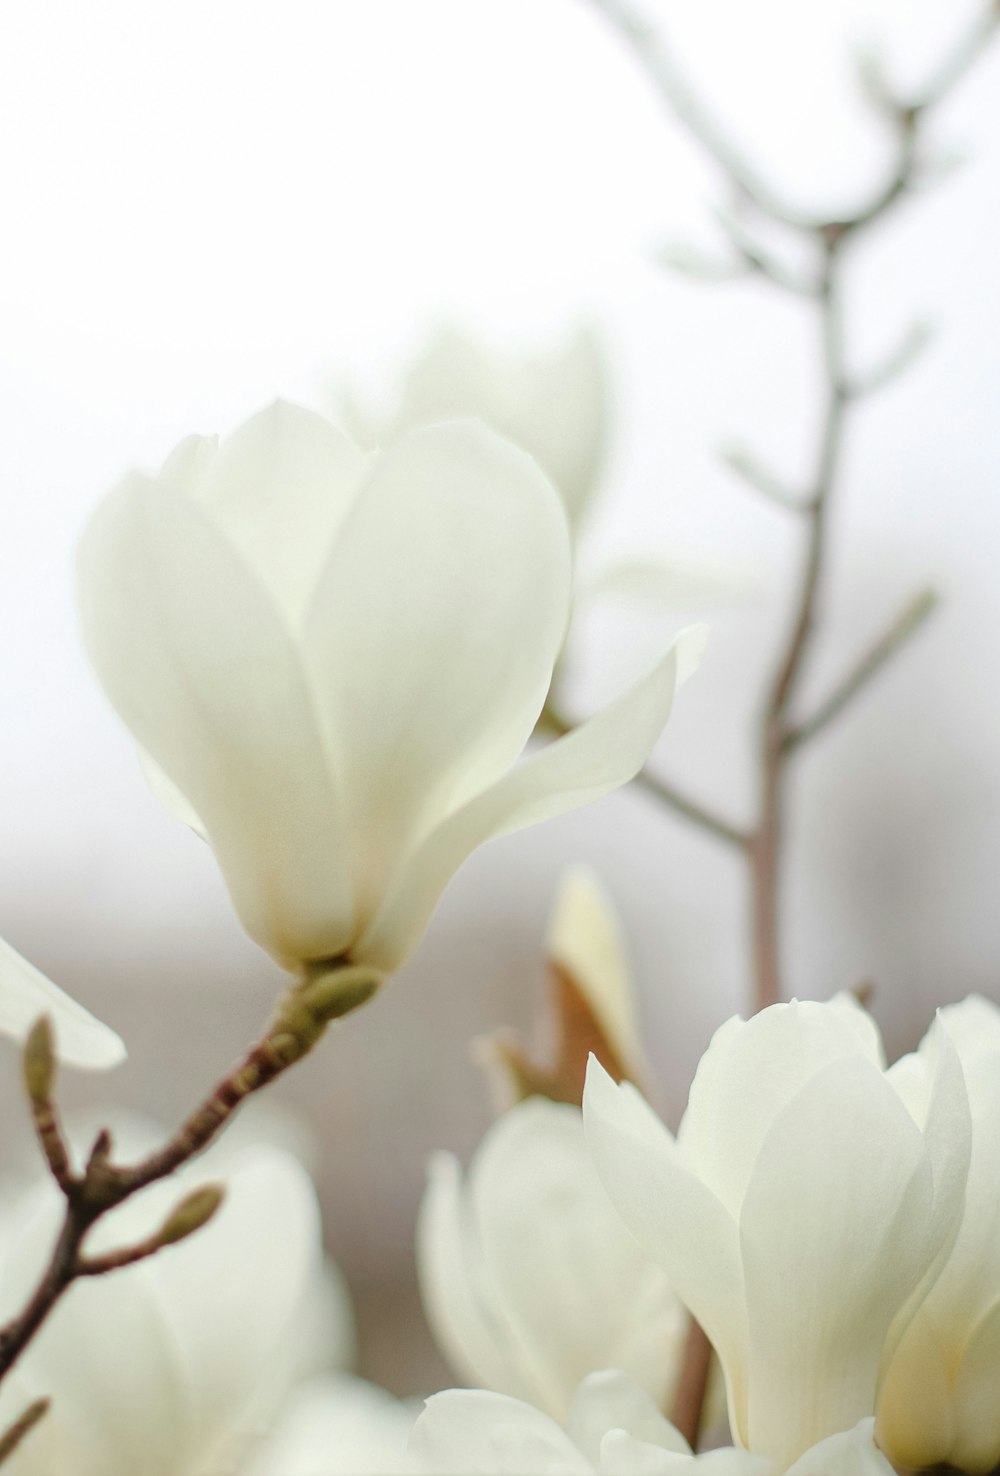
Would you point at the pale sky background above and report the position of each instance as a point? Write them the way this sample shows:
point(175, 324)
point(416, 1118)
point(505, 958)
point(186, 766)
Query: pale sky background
point(211, 202)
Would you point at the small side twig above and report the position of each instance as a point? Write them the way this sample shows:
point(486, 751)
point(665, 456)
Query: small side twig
point(903, 628)
point(22, 1426)
point(302, 1018)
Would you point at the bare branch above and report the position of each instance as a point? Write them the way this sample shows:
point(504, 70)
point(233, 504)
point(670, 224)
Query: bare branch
point(746, 464)
point(903, 628)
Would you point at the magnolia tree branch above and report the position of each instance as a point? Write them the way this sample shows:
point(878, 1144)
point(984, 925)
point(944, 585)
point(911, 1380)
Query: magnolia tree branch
point(827, 240)
point(781, 735)
point(300, 1021)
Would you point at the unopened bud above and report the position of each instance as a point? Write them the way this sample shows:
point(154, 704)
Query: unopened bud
point(331, 992)
point(40, 1061)
point(191, 1214)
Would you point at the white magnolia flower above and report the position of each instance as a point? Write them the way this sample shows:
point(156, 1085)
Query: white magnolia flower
point(530, 1280)
point(177, 1365)
point(340, 1426)
point(26, 994)
point(554, 405)
point(335, 659)
point(940, 1401)
point(613, 1429)
point(806, 1205)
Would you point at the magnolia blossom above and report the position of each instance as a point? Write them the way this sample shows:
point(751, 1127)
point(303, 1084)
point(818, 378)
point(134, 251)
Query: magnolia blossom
point(25, 994)
point(529, 1278)
point(333, 660)
point(554, 405)
point(612, 1429)
point(940, 1401)
point(804, 1208)
point(177, 1365)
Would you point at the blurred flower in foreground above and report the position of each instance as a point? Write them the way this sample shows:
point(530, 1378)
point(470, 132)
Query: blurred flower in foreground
point(613, 1429)
point(803, 1210)
point(177, 1365)
point(940, 1401)
point(335, 660)
point(25, 994)
point(529, 1278)
point(553, 405)
point(340, 1426)
point(593, 1005)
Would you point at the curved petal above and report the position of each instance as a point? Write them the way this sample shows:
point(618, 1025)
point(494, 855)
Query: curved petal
point(844, 1155)
point(279, 488)
point(852, 1453)
point(976, 1445)
point(460, 1303)
point(596, 758)
point(433, 633)
point(750, 1072)
point(573, 1286)
point(470, 1430)
point(25, 994)
point(199, 664)
point(677, 1220)
point(609, 1400)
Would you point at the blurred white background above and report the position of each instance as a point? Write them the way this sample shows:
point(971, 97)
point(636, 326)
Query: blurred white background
point(211, 202)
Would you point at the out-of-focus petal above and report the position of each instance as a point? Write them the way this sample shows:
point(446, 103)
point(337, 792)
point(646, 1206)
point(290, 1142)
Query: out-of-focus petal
point(25, 994)
point(469, 1430)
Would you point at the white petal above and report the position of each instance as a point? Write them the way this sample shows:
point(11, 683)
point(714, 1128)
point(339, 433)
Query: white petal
point(25, 994)
point(279, 488)
point(585, 941)
point(677, 1220)
point(750, 1072)
point(460, 1301)
point(573, 1287)
point(466, 1431)
point(434, 631)
point(596, 758)
point(976, 1445)
point(835, 1235)
point(853, 1453)
point(340, 1427)
point(256, 1266)
point(609, 1400)
point(200, 666)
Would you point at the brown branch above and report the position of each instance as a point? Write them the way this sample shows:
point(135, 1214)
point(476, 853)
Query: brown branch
point(304, 1013)
point(779, 736)
point(22, 1426)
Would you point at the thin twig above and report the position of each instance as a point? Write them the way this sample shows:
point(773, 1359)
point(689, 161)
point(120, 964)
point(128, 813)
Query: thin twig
point(906, 624)
point(22, 1426)
point(302, 1017)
